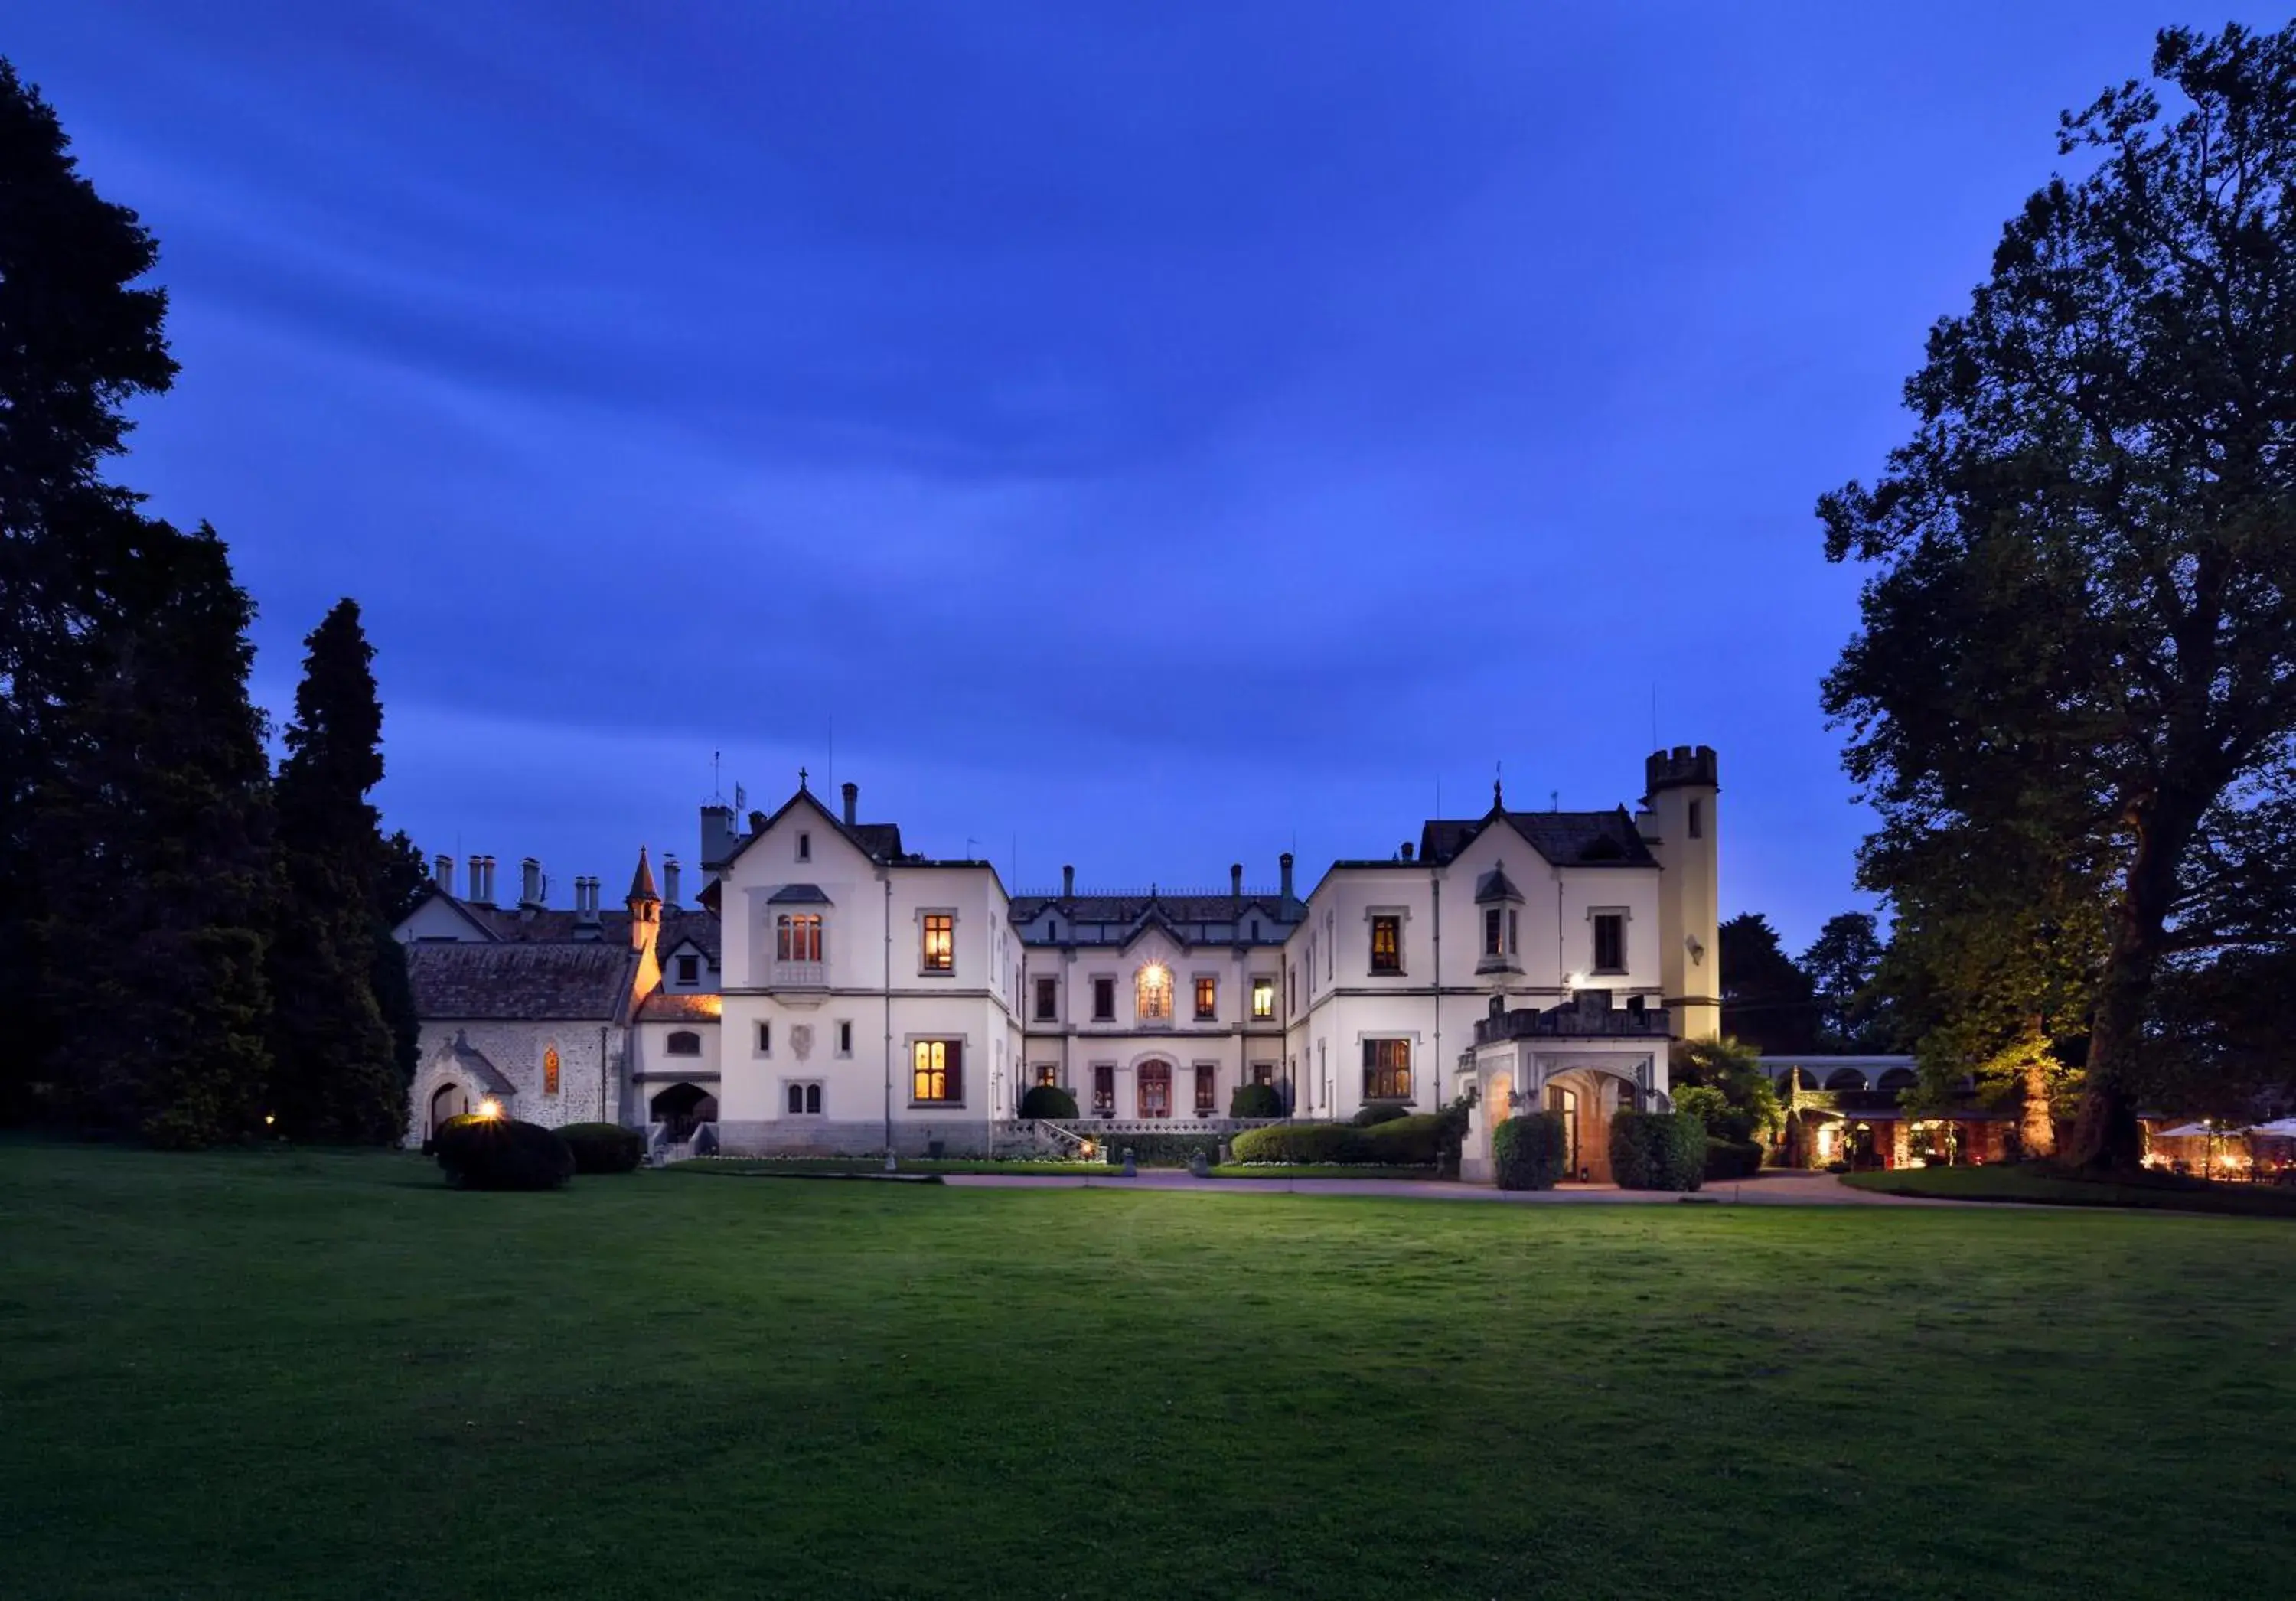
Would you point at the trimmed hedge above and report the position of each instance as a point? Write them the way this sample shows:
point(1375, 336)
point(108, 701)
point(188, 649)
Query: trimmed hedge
point(1377, 1112)
point(503, 1154)
point(1153, 1150)
point(1412, 1141)
point(1727, 1159)
point(1658, 1150)
point(1256, 1100)
point(1300, 1142)
point(604, 1147)
point(1047, 1100)
point(1528, 1153)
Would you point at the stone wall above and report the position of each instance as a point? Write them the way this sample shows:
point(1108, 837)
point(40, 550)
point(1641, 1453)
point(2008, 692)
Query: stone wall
point(516, 1050)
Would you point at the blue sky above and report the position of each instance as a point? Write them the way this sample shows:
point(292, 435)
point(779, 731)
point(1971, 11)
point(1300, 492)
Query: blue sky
point(1149, 437)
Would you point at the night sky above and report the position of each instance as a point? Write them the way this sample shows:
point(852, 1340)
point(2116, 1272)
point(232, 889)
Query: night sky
point(1149, 443)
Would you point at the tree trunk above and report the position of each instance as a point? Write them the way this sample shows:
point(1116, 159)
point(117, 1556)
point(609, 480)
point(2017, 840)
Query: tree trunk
point(2036, 1125)
point(2105, 1135)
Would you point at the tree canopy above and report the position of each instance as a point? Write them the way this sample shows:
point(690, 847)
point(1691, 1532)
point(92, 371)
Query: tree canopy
point(2078, 634)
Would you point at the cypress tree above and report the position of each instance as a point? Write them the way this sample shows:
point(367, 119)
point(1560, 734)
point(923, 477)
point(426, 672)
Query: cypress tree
point(336, 1066)
point(79, 341)
point(400, 883)
point(152, 834)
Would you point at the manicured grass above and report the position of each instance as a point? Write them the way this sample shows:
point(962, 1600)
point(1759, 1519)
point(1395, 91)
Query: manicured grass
point(2165, 1192)
point(1282, 1170)
point(329, 1375)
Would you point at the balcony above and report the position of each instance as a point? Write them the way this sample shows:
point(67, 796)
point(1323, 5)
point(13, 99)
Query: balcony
point(797, 975)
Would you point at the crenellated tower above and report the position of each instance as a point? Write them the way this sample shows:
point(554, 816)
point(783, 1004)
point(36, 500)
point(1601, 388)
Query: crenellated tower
point(1679, 821)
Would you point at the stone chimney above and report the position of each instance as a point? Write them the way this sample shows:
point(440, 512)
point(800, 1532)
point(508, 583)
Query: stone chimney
point(479, 879)
point(530, 885)
point(1235, 881)
point(1285, 862)
point(717, 837)
point(757, 822)
point(670, 881)
point(490, 881)
point(442, 874)
point(1067, 883)
point(852, 804)
point(1407, 851)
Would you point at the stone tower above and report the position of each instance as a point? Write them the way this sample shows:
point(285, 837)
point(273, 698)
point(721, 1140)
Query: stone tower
point(1680, 823)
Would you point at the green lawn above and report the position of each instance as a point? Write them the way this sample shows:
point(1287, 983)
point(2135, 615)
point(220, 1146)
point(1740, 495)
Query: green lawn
point(2034, 1186)
point(320, 1375)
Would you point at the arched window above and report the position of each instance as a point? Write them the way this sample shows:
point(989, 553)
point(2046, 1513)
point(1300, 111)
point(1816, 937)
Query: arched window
point(550, 1070)
point(1845, 1077)
point(1152, 992)
point(685, 1042)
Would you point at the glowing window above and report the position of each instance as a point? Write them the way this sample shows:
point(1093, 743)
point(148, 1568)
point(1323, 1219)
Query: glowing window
point(797, 937)
point(941, 942)
point(550, 1070)
point(1263, 998)
point(938, 1072)
point(1207, 998)
point(1387, 1070)
point(1153, 994)
point(1386, 943)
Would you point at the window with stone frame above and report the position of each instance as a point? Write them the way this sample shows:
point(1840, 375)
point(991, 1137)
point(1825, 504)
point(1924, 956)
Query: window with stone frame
point(797, 937)
point(939, 952)
point(936, 1073)
point(1387, 1070)
point(1104, 1089)
point(689, 971)
point(1207, 1090)
point(1153, 993)
point(1386, 942)
point(804, 1100)
point(1263, 998)
point(1048, 999)
point(550, 1070)
point(1609, 942)
point(1048, 1075)
point(1207, 998)
point(1103, 1000)
point(682, 1042)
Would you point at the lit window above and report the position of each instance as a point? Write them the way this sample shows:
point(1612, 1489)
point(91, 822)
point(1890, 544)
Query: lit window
point(1207, 1089)
point(685, 1042)
point(1207, 998)
point(1263, 998)
point(938, 1072)
point(1153, 995)
point(1387, 1070)
point(1103, 1000)
point(1155, 1089)
point(550, 1070)
point(1609, 942)
point(1048, 1076)
point(941, 942)
point(797, 937)
point(1387, 943)
point(1048, 999)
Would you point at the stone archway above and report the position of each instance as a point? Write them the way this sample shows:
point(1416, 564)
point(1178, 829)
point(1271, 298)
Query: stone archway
point(1588, 1095)
point(449, 1100)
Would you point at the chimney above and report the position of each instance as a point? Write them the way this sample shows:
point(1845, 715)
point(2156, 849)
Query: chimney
point(530, 885)
point(1235, 881)
point(1067, 883)
point(717, 837)
point(1284, 861)
point(442, 874)
point(1407, 851)
point(490, 881)
point(669, 882)
point(852, 804)
point(479, 879)
point(757, 822)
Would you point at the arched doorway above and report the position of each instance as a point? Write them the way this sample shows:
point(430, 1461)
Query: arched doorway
point(683, 1108)
point(1563, 1101)
point(449, 1100)
point(1585, 1098)
point(1155, 1089)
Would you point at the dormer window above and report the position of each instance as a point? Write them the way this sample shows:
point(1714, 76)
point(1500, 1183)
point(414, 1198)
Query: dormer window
point(804, 846)
point(689, 971)
point(1153, 993)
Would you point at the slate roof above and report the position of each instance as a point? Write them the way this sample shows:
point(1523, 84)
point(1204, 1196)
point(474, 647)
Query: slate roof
point(798, 895)
point(879, 841)
point(663, 1007)
point(521, 981)
point(1496, 885)
point(1176, 913)
point(553, 925)
point(1567, 838)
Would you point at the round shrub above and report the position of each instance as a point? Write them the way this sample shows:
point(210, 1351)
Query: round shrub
point(1727, 1159)
point(604, 1147)
point(1658, 1150)
point(1047, 1100)
point(1256, 1100)
point(1528, 1152)
point(1379, 1112)
point(1414, 1141)
point(503, 1154)
point(1300, 1143)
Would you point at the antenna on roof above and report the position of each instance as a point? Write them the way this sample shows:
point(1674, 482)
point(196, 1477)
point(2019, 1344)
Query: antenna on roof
point(1554, 799)
point(830, 787)
point(717, 781)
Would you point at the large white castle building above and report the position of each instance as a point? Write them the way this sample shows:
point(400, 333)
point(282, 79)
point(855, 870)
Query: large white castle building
point(829, 991)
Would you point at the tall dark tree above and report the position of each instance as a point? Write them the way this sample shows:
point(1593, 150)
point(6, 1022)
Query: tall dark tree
point(337, 1069)
point(399, 884)
point(2083, 611)
point(1842, 963)
point(153, 833)
point(1767, 1001)
point(78, 338)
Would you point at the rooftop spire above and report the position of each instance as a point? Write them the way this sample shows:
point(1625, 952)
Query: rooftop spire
point(642, 880)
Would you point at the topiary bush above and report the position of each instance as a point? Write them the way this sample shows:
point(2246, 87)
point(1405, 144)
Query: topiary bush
point(503, 1154)
point(1256, 1100)
point(1727, 1159)
point(1528, 1153)
point(1047, 1100)
point(1658, 1150)
point(1300, 1143)
point(604, 1147)
point(1377, 1113)
point(1171, 1150)
point(1415, 1141)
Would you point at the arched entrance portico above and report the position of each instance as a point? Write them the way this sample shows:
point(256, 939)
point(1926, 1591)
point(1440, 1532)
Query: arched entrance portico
point(1584, 1091)
point(449, 1100)
point(683, 1108)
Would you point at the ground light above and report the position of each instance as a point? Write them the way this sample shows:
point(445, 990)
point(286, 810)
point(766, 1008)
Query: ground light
point(489, 1108)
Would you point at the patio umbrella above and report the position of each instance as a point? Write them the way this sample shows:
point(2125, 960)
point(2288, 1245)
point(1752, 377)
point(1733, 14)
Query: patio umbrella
point(2282, 1128)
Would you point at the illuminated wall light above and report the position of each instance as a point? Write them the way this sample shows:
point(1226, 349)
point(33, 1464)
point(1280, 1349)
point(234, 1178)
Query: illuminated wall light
point(491, 1107)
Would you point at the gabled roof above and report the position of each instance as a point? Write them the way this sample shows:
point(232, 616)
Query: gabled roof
point(527, 981)
point(469, 913)
point(474, 1062)
point(1566, 839)
point(1174, 914)
point(1496, 885)
point(879, 841)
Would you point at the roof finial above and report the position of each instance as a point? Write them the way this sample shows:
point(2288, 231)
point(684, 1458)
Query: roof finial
point(802, 776)
point(1499, 802)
